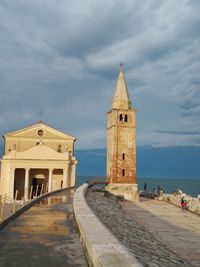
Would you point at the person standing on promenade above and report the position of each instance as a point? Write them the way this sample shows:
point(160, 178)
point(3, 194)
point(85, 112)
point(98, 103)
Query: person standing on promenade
point(183, 203)
point(145, 187)
point(161, 190)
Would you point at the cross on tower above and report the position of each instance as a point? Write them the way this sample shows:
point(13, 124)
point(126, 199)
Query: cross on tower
point(121, 66)
point(41, 115)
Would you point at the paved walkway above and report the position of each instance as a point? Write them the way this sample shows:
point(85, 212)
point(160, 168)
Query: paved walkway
point(45, 235)
point(129, 225)
point(178, 229)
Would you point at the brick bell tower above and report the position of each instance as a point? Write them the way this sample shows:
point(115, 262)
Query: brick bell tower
point(121, 143)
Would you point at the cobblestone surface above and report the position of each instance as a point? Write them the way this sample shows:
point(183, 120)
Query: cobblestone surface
point(143, 244)
point(177, 229)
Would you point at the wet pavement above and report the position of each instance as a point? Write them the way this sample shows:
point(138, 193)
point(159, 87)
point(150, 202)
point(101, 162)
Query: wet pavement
point(45, 235)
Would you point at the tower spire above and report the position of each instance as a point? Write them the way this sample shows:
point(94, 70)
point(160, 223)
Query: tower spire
point(121, 144)
point(121, 99)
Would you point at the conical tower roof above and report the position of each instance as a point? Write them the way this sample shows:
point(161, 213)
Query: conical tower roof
point(121, 99)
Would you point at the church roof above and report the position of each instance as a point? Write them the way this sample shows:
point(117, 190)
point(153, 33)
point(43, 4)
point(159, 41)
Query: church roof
point(121, 97)
point(28, 131)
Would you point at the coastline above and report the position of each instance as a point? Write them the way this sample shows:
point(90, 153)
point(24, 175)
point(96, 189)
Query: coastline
point(189, 186)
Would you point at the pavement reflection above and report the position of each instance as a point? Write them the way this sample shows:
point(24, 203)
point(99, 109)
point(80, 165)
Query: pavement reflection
point(45, 235)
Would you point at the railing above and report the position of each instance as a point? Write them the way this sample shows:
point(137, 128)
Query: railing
point(9, 205)
point(94, 182)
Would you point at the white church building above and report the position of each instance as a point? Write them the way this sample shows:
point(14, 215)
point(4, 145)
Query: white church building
point(37, 156)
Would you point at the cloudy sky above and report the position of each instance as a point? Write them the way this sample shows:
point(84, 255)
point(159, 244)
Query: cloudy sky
point(62, 58)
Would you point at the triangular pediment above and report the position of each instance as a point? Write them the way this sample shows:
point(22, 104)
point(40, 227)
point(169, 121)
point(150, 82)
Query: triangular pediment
point(33, 132)
point(38, 152)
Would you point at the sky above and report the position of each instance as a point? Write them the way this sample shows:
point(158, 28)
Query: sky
point(62, 58)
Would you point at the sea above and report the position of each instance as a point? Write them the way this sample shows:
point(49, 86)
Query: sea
point(188, 186)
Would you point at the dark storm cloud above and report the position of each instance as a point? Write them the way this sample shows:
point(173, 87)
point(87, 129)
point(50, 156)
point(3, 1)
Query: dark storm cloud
point(62, 57)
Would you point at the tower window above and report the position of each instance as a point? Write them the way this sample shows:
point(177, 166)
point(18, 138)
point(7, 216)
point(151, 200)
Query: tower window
point(123, 172)
point(123, 156)
point(126, 118)
point(120, 117)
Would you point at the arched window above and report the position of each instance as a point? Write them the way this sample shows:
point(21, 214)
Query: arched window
point(120, 117)
point(126, 118)
point(123, 156)
point(123, 172)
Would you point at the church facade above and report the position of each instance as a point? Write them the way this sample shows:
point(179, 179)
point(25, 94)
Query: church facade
point(121, 143)
point(37, 156)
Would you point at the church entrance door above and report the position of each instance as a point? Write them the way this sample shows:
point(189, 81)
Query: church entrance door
point(38, 177)
point(37, 183)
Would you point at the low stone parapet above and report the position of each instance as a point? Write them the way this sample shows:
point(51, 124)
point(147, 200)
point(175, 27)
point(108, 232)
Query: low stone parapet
point(101, 247)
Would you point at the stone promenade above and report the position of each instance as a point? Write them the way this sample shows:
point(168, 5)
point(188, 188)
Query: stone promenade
point(44, 235)
point(178, 229)
point(157, 233)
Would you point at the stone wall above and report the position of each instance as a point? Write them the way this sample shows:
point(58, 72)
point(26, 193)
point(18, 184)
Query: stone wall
point(100, 245)
point(121, 141)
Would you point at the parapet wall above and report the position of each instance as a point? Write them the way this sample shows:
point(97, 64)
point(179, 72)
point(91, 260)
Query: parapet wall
point(101, 247)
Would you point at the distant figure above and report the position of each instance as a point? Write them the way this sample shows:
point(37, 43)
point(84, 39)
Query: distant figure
point(158, 189)
point(183, 203)
point(145, 187)
point(161, 190)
